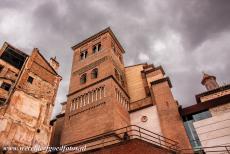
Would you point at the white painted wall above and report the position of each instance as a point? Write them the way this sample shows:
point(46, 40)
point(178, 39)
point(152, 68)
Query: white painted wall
point(214, 131)
point(152, 124)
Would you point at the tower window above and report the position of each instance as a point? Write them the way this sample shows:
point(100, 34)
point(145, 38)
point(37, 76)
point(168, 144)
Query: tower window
point(96, 47)
point(83, 54)
point(94, 73)
point(5, 86)
point(83, 79)
point(30, 79)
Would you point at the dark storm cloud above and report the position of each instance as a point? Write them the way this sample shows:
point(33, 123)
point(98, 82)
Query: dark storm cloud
point(186, 37)
point(200, 20)
point(11, 4)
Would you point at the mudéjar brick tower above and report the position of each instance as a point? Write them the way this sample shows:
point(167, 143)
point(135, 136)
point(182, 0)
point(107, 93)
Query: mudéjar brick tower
point(97, 75)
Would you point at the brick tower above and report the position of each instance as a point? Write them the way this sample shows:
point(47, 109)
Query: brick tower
point(209, 81)
point(97, 101)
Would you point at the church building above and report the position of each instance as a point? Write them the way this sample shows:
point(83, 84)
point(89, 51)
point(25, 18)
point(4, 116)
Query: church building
point(116, 108)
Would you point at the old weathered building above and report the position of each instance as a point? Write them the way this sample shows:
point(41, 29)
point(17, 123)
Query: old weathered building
point(109, 103)
point(28, 88)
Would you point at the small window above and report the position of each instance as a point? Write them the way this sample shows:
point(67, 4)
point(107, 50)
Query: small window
point(1, 68)
point(30, 79)
point(83, 54)
point(2, 101)
point(94, 73)
point(83, 79)
point(96, 47)
point(38, 130)
point(5, 86)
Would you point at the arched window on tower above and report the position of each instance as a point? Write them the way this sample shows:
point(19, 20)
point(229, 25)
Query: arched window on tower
point(83, 78)
point(83, 54)
point(96, 47)
point(94, 73)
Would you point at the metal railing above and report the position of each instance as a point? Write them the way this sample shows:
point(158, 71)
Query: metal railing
point(207, 150)
point(127, 133)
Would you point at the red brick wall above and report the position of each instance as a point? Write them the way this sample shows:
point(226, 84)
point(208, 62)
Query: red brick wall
point(102, 115)
point(95, 118)
point(134, 146)
point(56, 132)
point(170, 120)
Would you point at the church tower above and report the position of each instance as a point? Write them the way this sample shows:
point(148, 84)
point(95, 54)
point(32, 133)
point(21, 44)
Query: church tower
point(98, 101)
point(209, 82)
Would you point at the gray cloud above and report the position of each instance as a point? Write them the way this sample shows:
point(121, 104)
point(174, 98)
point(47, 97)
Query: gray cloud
point(186, 37)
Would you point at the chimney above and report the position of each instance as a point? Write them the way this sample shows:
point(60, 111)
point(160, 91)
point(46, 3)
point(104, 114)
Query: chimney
point(54, 63)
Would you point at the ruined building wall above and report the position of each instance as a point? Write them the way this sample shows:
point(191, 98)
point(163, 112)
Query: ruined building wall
point(8, 74)
point(25, 118)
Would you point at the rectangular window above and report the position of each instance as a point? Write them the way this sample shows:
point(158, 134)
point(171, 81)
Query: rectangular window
point(5, 86)
point(30, 79)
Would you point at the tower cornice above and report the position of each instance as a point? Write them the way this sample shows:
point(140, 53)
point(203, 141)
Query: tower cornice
point(107, 30)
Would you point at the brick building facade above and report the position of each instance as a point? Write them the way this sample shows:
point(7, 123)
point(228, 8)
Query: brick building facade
point(104, 96)
point(28, 88)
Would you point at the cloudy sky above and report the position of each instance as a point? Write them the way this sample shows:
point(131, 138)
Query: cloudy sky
point(185, 37)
